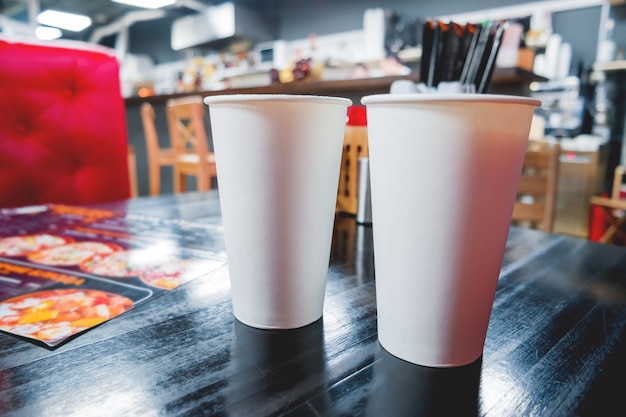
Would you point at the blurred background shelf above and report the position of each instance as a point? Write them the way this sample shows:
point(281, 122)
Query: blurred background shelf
point(618, 65)
point(505, 81)
point(333, 87)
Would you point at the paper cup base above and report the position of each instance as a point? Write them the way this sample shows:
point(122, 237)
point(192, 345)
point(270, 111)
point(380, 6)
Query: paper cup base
point(266, 327)
point(288, 326)
point(416, 360)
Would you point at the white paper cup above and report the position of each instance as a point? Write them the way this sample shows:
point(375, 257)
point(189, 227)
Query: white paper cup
point(278, 160)
point(444, 175)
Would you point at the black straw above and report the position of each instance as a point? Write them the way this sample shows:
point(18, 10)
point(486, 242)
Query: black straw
point(463, 53)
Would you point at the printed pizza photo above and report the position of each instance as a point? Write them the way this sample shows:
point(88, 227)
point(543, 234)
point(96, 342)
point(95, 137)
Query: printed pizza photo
point(172, 274)
point(53, 315)
point(23, 245)
point(72, 253)
point(124, 264)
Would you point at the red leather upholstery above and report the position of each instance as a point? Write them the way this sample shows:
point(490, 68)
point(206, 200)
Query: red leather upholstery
point(63, 135)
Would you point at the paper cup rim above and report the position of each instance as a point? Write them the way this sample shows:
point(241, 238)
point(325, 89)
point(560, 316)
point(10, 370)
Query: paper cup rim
point(437, 98)
point(247, 98)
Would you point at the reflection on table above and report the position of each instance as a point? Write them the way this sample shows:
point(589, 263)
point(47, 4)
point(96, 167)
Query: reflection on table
point(555, 345)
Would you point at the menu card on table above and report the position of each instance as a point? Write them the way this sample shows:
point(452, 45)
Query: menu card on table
point(66, 269)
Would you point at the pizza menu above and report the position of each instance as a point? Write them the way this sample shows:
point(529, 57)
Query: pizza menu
point(65, 269)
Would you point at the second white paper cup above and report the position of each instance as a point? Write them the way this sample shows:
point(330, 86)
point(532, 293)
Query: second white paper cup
point(444, 173)
point(278, 159)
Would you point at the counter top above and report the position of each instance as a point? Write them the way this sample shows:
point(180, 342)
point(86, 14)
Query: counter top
point(296, 87)
point(618, 65)
point(337, 87)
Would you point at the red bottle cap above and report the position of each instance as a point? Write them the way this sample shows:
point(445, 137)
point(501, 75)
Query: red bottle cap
point(357, 116)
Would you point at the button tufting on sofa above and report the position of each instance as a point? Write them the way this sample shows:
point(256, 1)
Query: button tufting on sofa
point(63, 134)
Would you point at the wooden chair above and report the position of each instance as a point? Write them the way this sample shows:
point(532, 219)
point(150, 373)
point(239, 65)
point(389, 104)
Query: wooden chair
point(132, 171)
point(536, 194)
point(185, 118)
point(355, 146)
point(157, 156)
point(614, 210)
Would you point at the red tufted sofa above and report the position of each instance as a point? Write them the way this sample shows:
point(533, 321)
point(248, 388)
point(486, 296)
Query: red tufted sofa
point(63, 135)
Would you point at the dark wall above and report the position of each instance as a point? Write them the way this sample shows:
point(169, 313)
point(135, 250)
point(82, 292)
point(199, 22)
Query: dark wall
point(153, 38)
point(580, 28)
point(299, 18)
point(618, 14)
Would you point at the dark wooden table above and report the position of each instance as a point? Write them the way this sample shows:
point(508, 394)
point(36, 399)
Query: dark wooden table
point(556, 344)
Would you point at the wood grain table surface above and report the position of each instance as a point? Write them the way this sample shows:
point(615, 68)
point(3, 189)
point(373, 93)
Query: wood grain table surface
point(556, 344)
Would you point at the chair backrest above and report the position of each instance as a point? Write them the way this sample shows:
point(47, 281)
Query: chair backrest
point(537, 191)
point(606, 219)
point(150, 131)
point(185, 119)
point(618, 178)
point(63, 133)
point(355, 146)
point(156, 156)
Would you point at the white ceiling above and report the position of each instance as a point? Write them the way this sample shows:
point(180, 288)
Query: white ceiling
point(101, 12)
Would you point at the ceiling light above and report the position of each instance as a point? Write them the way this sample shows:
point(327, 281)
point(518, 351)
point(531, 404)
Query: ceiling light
point(68, 21)
point(147, 4)
point(46, 33)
